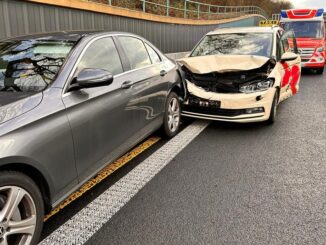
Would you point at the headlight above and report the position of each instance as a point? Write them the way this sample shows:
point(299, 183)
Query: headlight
point(256, 86)
point(321, 49)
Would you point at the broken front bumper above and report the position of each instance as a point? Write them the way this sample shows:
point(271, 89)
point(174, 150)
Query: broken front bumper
point(235, 107)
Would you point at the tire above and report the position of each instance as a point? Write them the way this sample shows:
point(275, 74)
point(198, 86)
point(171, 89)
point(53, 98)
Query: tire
point(320, 71)
point(272, 116)
point(172, 116)
point(30, 207)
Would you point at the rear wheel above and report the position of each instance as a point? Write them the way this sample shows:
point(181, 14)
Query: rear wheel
point(172, 116)
point(272, 116)
point(21, 209)
point(320, 71)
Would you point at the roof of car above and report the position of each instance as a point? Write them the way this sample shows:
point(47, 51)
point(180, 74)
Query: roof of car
point(72, 36)
point(244, 30)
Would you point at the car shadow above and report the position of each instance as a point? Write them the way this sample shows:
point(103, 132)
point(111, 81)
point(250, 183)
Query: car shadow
point(242, 126)
point(309, 72)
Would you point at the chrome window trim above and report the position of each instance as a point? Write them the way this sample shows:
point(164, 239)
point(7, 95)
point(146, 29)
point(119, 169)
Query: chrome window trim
point(73, 70)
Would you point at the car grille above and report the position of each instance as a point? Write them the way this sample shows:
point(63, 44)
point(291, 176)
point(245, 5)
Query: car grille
point(215, 111)
point(306, 52)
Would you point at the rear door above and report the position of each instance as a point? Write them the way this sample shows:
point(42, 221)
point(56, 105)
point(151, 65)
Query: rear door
point(102, 123)
point(291, 69)
point(148, 82)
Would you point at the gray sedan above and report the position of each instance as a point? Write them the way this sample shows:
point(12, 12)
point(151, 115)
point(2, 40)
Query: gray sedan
point(70, 103)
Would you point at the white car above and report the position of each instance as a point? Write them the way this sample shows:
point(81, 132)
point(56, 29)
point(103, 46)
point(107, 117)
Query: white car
point(241, 74)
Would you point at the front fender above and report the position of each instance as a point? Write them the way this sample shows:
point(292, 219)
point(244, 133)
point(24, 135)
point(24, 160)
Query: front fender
point(6, 162)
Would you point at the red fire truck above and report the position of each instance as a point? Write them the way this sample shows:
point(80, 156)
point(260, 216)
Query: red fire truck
point(309, 28)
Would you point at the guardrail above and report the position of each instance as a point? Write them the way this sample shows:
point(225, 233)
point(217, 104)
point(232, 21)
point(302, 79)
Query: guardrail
point(190, 9)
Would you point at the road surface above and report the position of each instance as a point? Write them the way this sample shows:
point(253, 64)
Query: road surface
point(232, 184)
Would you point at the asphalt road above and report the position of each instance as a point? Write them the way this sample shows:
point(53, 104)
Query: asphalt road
point(233, 184)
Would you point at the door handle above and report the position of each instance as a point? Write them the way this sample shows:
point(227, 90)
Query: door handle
point(126, 84)
point(163, 73)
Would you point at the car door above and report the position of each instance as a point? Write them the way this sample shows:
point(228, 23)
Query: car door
point(148, 81)
point(102, 124)
point(291, 69)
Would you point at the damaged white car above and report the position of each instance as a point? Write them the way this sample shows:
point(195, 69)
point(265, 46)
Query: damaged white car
point(241, 74)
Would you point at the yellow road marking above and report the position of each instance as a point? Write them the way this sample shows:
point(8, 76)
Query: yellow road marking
point(104, 173)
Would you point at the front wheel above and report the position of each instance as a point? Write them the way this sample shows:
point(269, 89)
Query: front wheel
point(171, 123)
point(320, 71)
point(272, 116)
point(21, 209)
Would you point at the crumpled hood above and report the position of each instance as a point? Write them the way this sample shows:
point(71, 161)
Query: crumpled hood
point(15, 104)
point(223, 63)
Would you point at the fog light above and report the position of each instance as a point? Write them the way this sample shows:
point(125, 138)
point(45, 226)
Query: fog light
point(255, 110)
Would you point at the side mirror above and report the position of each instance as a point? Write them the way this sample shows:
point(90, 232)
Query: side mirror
point(289, 56)
point(90, 78)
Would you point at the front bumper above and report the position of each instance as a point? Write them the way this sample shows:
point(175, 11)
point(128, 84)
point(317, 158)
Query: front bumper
point(312, 65)
point(316, 61)
point(239, 107)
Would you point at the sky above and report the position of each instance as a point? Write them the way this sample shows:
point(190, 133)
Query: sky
point(309, 3)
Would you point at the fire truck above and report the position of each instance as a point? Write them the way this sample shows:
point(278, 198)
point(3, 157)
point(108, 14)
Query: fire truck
point(309, 28)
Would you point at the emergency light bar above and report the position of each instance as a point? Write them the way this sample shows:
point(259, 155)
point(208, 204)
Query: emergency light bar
point(302, 13)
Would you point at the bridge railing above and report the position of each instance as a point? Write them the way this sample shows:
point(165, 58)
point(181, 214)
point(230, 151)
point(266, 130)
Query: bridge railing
point(191, 9)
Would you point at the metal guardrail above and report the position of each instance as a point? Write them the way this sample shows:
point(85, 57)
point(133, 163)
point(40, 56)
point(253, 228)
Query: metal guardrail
point(192, 9)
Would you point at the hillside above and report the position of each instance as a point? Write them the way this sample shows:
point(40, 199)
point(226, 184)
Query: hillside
point(270, 6)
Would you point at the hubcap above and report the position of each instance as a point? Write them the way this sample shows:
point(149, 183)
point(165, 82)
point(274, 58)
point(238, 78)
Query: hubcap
point(173, 115)
point(17, 216)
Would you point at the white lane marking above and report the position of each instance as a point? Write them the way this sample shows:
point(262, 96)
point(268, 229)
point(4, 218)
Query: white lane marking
point(90, 219)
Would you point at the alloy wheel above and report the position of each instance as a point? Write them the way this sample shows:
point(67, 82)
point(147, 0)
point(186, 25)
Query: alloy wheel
point(173, 115)
point(17, 216)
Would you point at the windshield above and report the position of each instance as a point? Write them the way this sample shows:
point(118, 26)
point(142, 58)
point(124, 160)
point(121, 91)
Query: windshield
point(308, 29)
point(31, 65)
point(259, 44)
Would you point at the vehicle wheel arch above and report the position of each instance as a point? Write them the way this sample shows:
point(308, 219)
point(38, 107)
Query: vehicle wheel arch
point(37, 176)
point(178, 86)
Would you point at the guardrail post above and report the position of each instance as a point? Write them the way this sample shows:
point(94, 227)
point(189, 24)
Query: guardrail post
point(198, 10)
point(185, 10)
point(209, 12)
point(144, 7)
point(167, 7)
point(110, 2)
